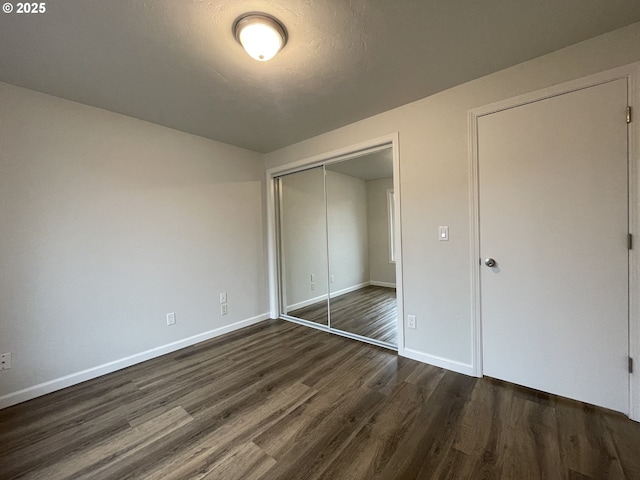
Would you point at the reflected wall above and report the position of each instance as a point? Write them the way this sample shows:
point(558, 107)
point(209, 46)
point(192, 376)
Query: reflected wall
point(303, 245)
point(334, 237)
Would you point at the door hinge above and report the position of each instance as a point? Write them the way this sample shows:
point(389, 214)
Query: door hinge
point(628, 114)
point(630, 365)
point(630, 241)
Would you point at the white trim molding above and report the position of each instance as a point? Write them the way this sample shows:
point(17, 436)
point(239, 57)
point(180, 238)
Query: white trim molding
point(382, 284)
point(306, 303)
point(634, 253)
point(29, 393)
point(398, 244)
point(465, 368)
point(353, 288)
point(337, 293)
point(632, 74)
point(391, 221)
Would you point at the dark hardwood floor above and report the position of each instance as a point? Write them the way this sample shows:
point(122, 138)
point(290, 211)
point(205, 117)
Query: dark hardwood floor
point(316, 312)
point(370, 312)
point(281, 401)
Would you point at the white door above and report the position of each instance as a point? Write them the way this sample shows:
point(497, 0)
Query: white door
point(554, 217)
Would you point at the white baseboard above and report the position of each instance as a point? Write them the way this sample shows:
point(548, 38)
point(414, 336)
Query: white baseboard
point(382, 284)
point(353, 288)
point(337, 293)
point(306, 303)
point(29, 393)
point(436, 361)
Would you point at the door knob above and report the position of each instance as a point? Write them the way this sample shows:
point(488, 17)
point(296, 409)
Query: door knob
point(490, 262)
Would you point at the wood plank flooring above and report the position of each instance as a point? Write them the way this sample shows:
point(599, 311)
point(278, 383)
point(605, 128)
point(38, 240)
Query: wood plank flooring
point(370, 312)
point(316, 312)
point(281, 401)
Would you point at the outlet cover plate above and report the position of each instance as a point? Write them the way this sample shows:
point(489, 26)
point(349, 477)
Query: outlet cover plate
point(5, 361)
point(171, 318)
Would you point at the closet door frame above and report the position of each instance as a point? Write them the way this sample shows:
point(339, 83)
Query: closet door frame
point(327, 158)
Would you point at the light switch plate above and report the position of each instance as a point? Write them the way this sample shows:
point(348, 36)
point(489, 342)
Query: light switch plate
point(443, 234)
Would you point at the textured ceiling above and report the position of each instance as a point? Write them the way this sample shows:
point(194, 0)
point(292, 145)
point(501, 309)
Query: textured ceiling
point(177, 64)
point(371, 166)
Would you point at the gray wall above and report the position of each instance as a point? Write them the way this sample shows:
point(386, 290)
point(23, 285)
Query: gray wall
point(348, 242)
point(304, 234)
point(434, 183)
point(382, 270)
point(108, 223)
point(304, 237)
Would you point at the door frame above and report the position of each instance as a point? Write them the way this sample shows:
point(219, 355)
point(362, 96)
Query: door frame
point(345, 153)
point(632, 74)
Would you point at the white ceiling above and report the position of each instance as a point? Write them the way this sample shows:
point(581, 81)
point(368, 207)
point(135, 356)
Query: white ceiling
point(176, 63)
point(371, 166)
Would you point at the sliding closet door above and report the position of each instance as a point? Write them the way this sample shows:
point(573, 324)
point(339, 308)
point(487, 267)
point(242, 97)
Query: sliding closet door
point(303, 246)
point(361, 270)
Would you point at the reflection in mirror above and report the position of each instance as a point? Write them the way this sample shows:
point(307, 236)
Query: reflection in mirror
point(303, 245)
point(362, 275)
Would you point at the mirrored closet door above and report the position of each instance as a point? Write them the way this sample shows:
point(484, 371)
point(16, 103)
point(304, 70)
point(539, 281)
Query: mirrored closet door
point(337, 265)
point(303, 246)
point(361, 268)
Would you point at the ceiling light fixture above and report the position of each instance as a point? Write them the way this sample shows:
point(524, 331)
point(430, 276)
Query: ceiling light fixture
point(261, 35)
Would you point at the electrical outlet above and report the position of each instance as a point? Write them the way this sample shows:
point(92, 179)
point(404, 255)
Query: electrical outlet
point(223, 297)
point(332, 279)
point(411, 321)
point(171, 318)
point(224, 309)
point(313, 285)
point(5, 361)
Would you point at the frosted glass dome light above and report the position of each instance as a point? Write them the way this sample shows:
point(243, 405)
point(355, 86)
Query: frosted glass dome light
point(261, 35)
